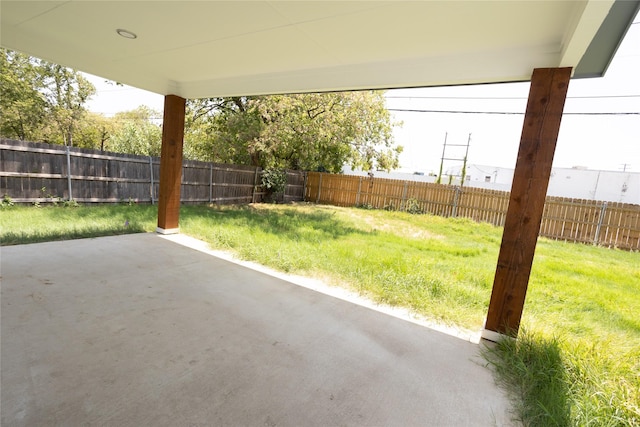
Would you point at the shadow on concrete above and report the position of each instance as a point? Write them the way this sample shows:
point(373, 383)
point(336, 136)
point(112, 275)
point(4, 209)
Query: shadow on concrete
point(139, 330)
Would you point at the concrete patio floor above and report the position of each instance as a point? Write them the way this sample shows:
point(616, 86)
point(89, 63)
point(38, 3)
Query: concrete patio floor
point(140, 330)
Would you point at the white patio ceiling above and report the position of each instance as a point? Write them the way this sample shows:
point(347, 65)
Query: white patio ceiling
point(200, 49)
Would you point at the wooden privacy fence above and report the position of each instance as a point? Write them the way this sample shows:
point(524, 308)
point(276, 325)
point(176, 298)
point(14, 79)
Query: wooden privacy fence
point(588, 221)
point(36, 172)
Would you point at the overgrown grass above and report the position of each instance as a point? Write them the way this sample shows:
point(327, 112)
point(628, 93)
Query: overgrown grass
point(532, 370)
point(28, 224)
point(579, 364)
point(552, 382)
point(426, 263)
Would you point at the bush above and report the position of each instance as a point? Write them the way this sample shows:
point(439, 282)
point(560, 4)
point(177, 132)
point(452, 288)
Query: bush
point(6, 202)
point(274, 182)
point(413, 207)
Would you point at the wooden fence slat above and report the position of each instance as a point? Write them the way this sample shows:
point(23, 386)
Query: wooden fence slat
point(37, 172)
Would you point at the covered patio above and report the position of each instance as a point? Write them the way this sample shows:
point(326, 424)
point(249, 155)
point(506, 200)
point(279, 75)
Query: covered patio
point(140, 330)
point(154, 330)
point(223, 49)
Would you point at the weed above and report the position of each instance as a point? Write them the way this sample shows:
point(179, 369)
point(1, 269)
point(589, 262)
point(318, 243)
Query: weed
point(366, 206)
point(47, 194)
point(413, 206)
point(6, 202)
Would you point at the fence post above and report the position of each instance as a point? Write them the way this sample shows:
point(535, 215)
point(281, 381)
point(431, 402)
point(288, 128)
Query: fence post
point(454, 212)
point(255, 185)
point(600, 221)
point(151, 178)
point(319, 188)
point(305, 181)
point(404, 196)
point(210, 182)
point(69, 172)
point(358, 193)
point(286, 186)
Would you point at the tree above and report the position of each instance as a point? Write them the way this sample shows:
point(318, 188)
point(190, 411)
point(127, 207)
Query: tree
point(217, 129)
point(40, 100)
point(303, 131)
point(23, 106)
point(94, 131)
point(67, 92)
point(136, 133)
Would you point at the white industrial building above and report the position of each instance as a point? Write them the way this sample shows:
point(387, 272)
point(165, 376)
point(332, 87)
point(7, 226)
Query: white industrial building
point(576, 182)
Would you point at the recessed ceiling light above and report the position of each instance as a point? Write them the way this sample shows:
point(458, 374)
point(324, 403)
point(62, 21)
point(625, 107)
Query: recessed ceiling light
point(126, 34)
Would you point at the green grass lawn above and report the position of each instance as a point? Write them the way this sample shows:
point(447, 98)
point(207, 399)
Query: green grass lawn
point(20, 224)
point(581, 322)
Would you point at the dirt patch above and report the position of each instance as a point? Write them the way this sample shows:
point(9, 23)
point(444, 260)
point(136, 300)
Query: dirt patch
point(399, 229)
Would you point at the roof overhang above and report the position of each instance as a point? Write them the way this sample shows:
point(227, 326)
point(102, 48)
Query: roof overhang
point(198, 49)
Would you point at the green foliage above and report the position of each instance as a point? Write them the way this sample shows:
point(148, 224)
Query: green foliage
point(24, 224)
point(53, 199)
point(70, 204)
point(94, 131)
point(531, 368)
point(40, 100)
point(6, 202)
point(66, 91)
point(134, 132)
point(304, 131)
point(22, 106)
point(274, 180)
point(413, 206)
point(603, 382)
point(569, 382)
point(47, 194)
point(221, 129)
point(366, 206)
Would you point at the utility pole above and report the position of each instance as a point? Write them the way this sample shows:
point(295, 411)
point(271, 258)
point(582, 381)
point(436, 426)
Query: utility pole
point(444, 148)
point(625, 166)
point(464, 162)
point(464, 159)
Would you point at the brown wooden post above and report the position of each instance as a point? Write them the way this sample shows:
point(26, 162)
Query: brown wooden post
point(526, 203)
point(171, 164)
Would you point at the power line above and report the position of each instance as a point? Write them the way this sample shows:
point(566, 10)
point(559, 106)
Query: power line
point(117, 90)
point(505, 97)
point(407, 110)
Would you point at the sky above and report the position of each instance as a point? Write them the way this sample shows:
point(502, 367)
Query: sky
point(602, 141)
